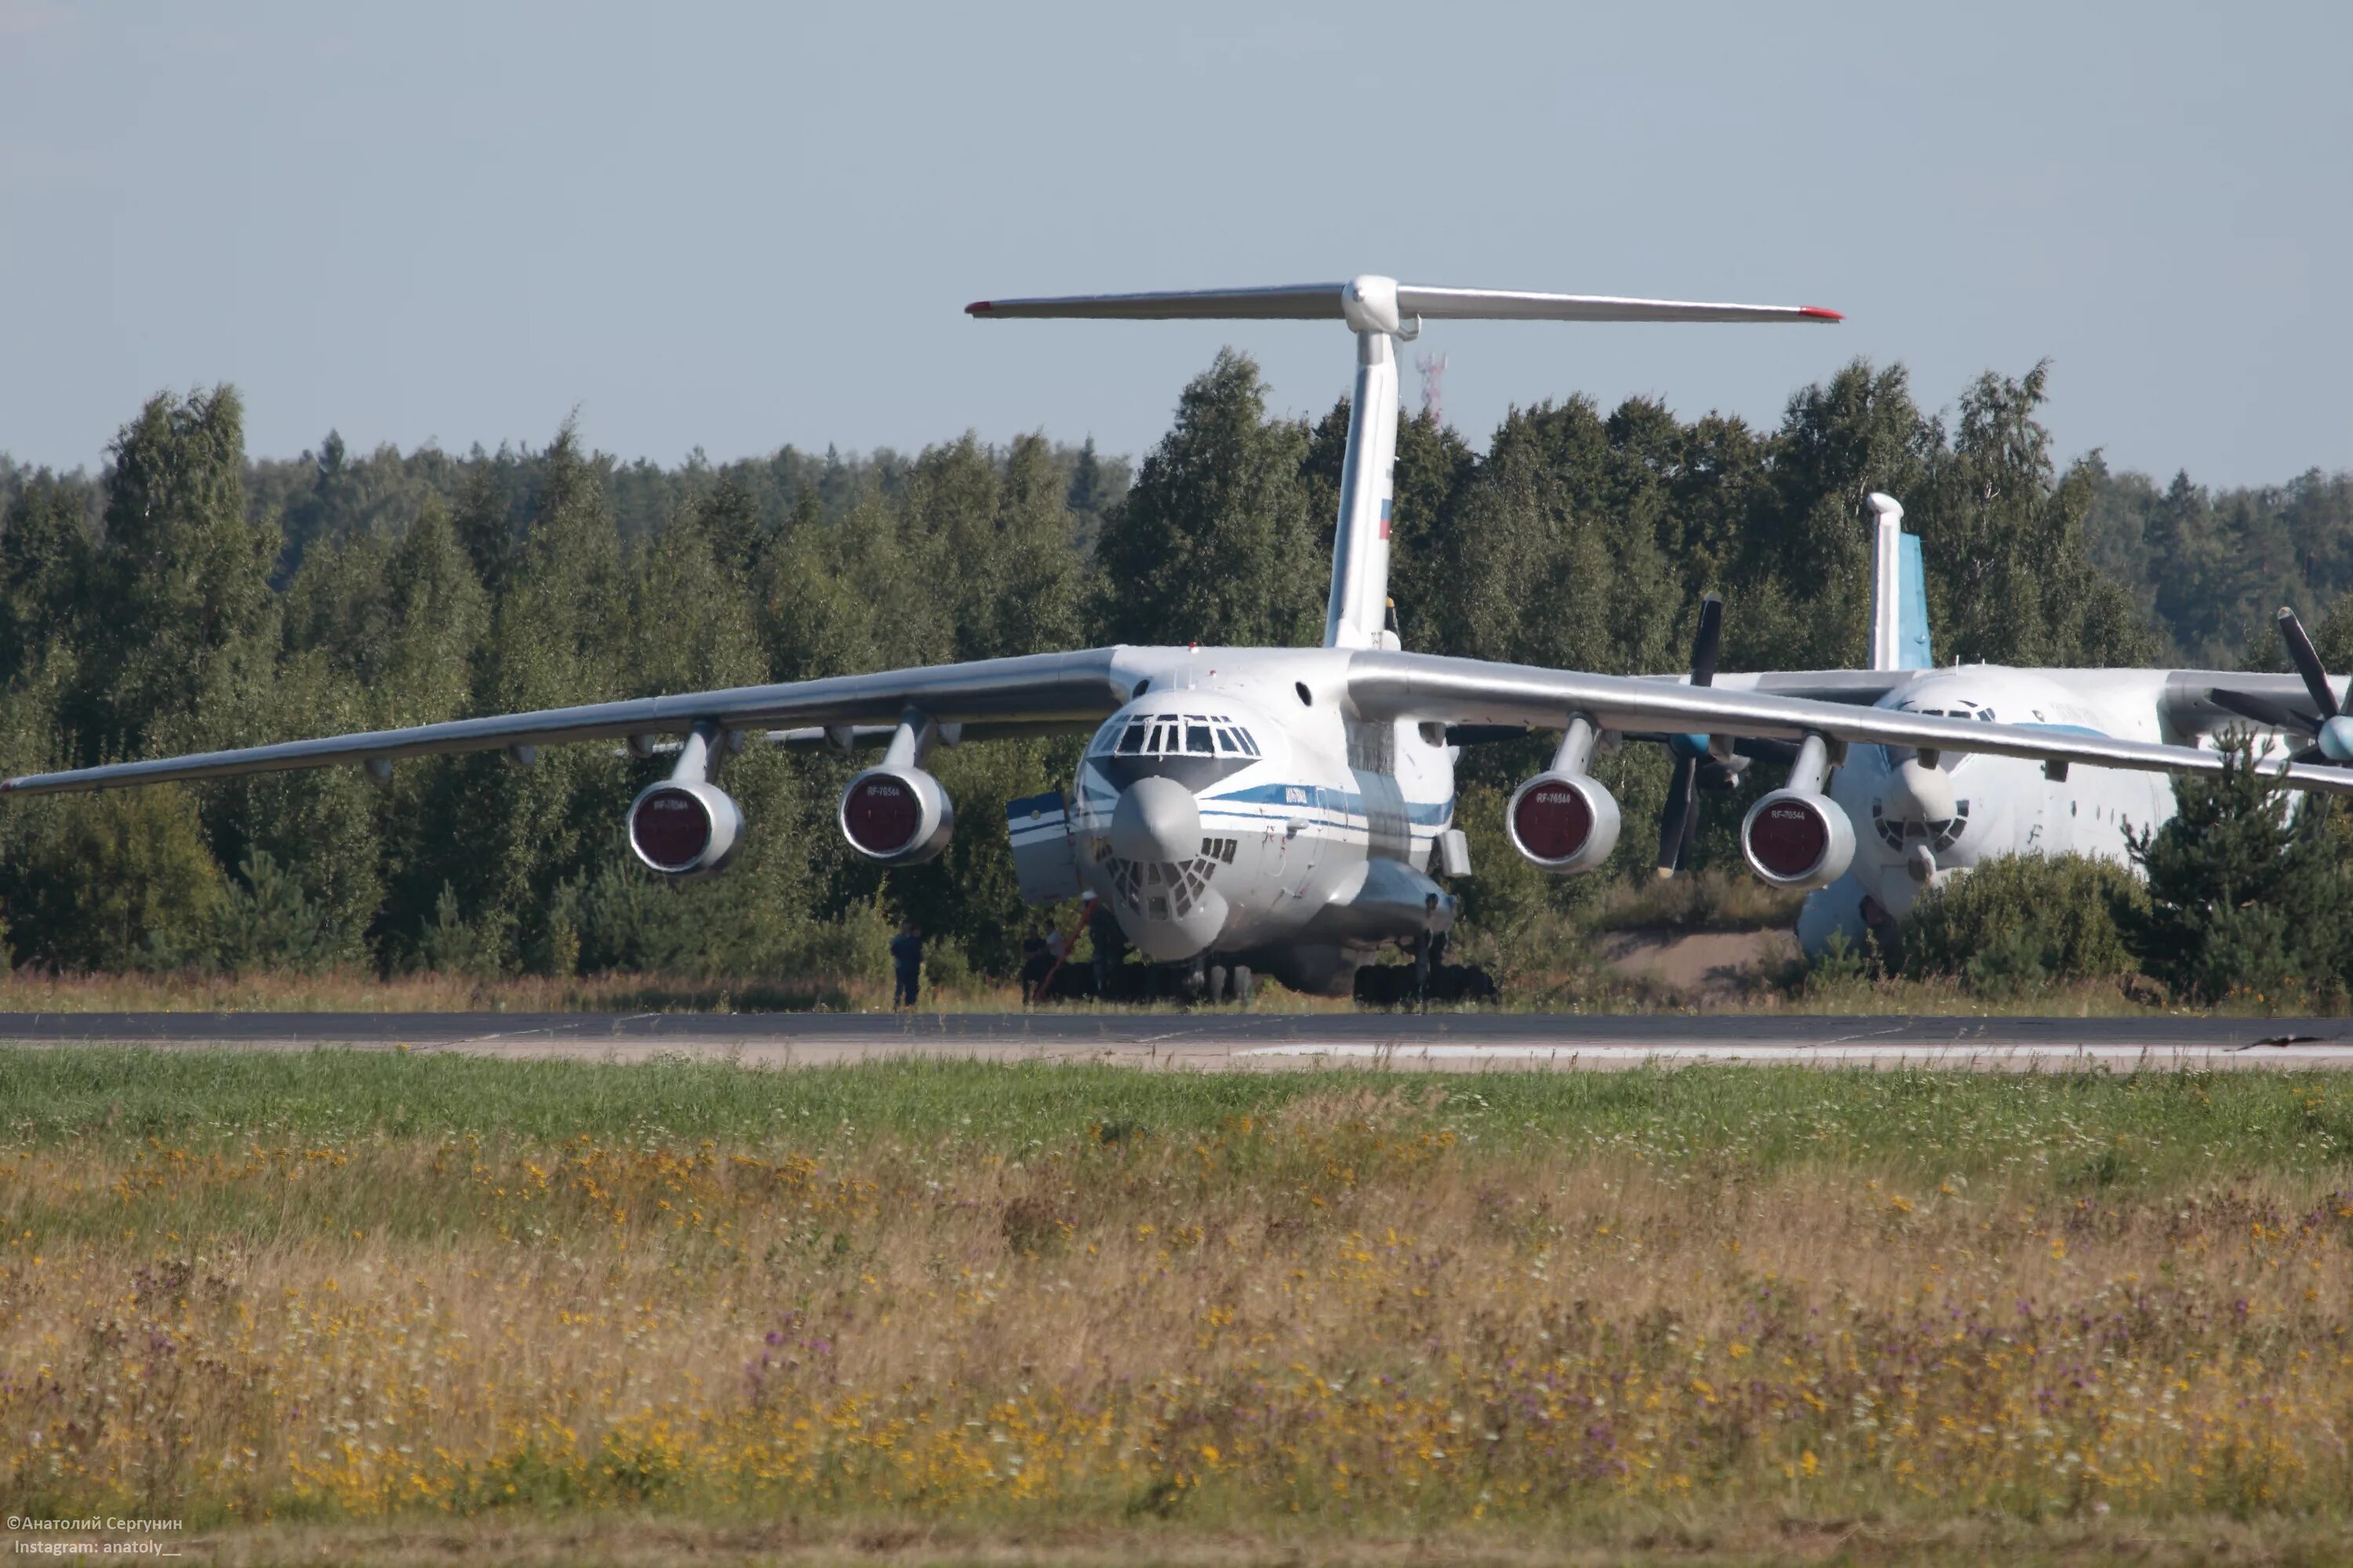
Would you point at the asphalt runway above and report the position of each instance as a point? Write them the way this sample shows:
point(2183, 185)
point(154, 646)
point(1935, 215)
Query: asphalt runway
point(1208, 1041)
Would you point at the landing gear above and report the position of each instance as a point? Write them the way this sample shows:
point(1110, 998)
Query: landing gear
point(1223, 983)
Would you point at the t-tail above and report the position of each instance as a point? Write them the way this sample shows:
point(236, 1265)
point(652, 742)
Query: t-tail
point(1899, 593)
point(1379, 311)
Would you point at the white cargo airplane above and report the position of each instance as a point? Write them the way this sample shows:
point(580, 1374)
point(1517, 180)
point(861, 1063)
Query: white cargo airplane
point(1936, 813)
point(1277, 807)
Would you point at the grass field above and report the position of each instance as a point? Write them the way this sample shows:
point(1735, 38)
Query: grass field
point(345, 1306)
point(1587, 988)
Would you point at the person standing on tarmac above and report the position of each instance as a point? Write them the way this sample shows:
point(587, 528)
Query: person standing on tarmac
point(907, 962)
point(1103, 926)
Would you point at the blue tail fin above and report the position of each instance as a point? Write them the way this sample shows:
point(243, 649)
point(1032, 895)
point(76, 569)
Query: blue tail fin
point(1899, 593)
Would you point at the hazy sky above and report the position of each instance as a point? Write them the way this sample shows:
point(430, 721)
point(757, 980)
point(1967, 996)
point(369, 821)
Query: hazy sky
point(738, 226)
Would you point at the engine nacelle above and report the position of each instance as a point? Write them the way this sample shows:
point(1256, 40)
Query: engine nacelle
point(1562, 823)
point(683, 828)
point(896, 816)
point(1795, 839)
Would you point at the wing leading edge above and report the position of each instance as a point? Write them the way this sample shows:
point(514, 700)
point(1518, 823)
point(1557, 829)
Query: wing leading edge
point(1033, 693)
point(1427, 686)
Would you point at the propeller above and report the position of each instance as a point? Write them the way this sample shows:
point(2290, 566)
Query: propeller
point(2333, 732)
point(1679, 822)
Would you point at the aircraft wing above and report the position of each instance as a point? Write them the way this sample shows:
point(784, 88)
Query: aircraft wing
point(1036, 693)
point(1864, 686)
point(1432, 688)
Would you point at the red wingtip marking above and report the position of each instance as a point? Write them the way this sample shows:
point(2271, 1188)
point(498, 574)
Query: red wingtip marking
point(1816, 312)
point(979, 307)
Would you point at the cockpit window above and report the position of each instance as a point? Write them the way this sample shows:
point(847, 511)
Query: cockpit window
point(1175, 735)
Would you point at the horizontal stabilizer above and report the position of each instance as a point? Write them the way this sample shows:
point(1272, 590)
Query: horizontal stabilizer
point(1329, 302)
point(1289, 302)
point(1507, 305)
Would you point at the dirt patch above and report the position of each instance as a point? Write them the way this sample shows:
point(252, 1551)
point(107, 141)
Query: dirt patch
point(1705, 967)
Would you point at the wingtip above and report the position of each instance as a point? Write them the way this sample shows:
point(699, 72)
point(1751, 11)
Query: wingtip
point(980, 307)
point(1821, 313)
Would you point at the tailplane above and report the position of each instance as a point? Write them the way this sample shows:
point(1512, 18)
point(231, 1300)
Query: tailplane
point(1377, 310)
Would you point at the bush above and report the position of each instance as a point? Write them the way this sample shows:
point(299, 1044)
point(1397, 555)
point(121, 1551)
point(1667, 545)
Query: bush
point(121, 881)
point(2019, 920)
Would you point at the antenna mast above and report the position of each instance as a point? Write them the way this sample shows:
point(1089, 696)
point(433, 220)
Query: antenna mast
point(1432, 369)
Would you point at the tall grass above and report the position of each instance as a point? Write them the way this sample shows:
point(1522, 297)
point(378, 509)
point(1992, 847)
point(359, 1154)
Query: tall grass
point(1000, 1302)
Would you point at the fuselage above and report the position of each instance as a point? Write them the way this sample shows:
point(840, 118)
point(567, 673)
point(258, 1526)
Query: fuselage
point(1234, 809)
point(2002, 806)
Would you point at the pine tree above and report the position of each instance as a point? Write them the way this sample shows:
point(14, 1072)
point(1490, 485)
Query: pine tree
point(2248, 894)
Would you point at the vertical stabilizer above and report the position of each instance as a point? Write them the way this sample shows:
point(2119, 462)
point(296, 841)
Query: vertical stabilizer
point(1899, 593)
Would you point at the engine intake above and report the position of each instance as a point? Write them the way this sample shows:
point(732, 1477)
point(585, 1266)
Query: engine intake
point(896, 816)
point(1562, 823)
point(684, 828)
point(1793, 838)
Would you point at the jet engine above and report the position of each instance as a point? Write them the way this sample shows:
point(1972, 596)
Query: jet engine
point(1797, 838)
point(897, 815)
point(1563, 822)
point(685, 828)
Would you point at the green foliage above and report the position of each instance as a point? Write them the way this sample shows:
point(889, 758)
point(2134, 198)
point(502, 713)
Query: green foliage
point(121, 879)
point(1216, 541)
point(451, 944)
point(2019, 920)
point(2249, 897)
point(267, 922)
point(183, 576)
point(2212, 565)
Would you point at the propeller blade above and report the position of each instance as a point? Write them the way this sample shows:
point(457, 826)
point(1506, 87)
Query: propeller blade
point(1708, 642)
point(1678, 821)
point(2308, 664)
point(2264, 712)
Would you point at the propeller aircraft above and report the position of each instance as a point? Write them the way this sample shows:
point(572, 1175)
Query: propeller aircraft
point(1931, 814)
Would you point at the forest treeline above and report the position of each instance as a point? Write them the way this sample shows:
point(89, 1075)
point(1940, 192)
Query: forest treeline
point(191, 596)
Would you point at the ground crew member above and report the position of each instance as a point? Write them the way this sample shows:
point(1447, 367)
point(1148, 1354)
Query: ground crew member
point(907, 960)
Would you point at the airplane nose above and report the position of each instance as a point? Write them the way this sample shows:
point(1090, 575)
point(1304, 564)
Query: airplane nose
point(1156, 820)
point(1915, 793)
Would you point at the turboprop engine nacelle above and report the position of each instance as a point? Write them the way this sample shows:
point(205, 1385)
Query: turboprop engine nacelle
point(1562, 823)
point(685, 828)
point(1795, 838)
point(897, 815)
